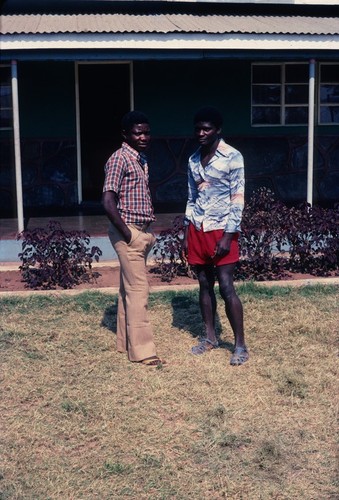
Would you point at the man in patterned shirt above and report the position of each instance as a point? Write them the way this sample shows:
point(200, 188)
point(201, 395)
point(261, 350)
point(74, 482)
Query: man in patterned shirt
point(128, 205)
point(213, 216)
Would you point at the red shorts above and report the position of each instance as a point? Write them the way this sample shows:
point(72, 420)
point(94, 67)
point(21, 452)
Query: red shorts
point(201, 247)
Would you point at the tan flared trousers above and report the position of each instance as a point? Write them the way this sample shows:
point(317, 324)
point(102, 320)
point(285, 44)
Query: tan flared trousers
point(134, 332)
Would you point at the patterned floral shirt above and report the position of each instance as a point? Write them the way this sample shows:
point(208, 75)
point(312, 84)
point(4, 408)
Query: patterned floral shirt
point(126, 173)
point(216, 191)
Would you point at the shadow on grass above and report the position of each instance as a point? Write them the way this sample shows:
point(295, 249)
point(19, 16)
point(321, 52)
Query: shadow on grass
point(109, 319)
point(187, 316)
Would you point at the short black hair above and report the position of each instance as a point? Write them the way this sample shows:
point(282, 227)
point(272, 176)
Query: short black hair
point(209, 114)
point(133, 118)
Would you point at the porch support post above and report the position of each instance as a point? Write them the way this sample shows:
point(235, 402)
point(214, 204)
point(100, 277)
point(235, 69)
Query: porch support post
point(78, 138)
point(17, 149)
point(310, 152)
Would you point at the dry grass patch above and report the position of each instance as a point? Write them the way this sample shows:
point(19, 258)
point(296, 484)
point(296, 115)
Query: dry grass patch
point(80, 421)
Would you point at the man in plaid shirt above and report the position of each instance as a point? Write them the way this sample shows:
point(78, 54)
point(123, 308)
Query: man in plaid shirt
point(128, 205)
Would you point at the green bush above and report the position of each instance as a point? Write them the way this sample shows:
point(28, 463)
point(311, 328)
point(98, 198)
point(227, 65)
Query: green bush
point(53, 257)
point(274, 241)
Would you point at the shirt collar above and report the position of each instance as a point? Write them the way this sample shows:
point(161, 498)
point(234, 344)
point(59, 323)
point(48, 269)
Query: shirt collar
point(222, 149)
point(140, 157)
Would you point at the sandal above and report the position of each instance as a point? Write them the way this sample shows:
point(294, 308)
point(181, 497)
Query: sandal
point(240, 356)
point(153, 361)
point(204, 345)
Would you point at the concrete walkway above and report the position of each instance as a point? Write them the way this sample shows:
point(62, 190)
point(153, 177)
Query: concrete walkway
point(95, 225)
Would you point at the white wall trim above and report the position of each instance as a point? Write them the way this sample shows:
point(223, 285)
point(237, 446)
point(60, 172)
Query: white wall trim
point(170, 41)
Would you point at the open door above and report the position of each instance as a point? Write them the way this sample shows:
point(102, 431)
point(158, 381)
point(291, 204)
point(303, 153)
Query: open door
point(104, 97)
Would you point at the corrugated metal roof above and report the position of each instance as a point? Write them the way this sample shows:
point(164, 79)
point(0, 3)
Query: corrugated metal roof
point(167, 23)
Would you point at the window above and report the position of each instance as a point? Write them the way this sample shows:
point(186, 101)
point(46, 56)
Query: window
point(328, 94)
point(279, 94)
point(6, 110)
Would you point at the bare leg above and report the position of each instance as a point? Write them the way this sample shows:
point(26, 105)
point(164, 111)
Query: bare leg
point(207, 299)
point(233, 306)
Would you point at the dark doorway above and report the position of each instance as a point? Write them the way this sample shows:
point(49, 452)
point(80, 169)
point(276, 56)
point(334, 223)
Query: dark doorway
point(104, 97)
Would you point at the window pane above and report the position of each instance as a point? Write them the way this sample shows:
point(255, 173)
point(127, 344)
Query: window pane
point(266, 94)
point(329, 114)
point(329, 94)
point(296, 116)
point(5, 75)
point(5, 97)
point(6, 118)
point(296, 94)
point(265, 115)
point(329, 73)
point(266, 74)
point(296, 73)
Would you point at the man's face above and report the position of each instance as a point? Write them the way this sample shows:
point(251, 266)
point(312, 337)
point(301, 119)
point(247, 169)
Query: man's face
point(206, 133)
point(138, 137)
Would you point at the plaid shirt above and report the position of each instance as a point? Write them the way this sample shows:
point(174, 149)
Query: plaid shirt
point(126, 173)
point(216, 192)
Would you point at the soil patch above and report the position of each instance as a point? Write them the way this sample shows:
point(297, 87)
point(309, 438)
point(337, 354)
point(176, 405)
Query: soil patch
point(10, 280)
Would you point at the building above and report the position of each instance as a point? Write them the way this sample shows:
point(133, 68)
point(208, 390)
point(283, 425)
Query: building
point(71, 69)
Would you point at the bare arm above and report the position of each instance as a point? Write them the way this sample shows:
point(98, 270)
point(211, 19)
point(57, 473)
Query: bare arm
point(223, 246)
point(184, 247)
point(109, 201)
point(237, 183)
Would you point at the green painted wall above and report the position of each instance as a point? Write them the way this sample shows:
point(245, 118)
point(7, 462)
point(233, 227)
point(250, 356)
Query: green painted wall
point(171, 91)
point(168, 91)
point(47, 99)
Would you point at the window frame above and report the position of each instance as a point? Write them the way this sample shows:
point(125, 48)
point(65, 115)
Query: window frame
point(282, 106)
point(320, 105)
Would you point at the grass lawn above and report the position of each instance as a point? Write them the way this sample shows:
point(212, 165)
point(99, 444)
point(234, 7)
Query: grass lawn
point(78, 421)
